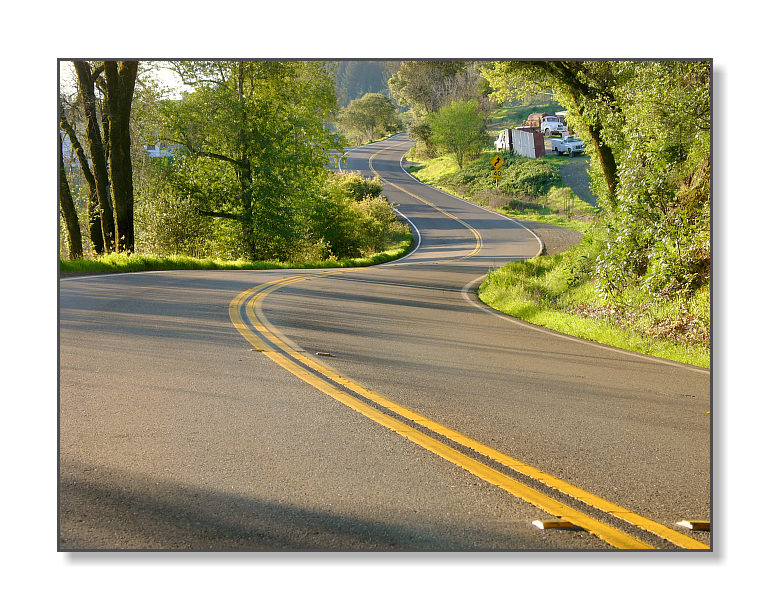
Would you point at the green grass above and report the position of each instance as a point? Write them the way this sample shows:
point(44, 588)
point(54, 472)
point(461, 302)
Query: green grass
point(548, 209)
point(537, 291)
point(541, 291)
point(123, 263)
point(510, 115)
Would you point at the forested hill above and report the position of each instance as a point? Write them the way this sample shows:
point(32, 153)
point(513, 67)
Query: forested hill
point(355, 78)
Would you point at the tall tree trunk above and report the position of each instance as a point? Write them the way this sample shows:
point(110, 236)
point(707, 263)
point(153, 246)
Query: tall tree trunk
point(94, 220)
point(96, 148)
point(68, 212)
point(121, 78)
point(247, 217)
point(568, 73)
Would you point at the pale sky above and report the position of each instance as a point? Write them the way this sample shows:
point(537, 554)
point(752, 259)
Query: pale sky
point(165, 76)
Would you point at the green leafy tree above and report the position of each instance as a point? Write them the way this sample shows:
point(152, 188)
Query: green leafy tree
point(459, 128)
point(254, 146)
point(369, 117)
point(423, 84)
point(426, 86)
point(647, 124)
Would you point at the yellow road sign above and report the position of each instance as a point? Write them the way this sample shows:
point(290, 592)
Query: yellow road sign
point(497, 161)
point(497, 173)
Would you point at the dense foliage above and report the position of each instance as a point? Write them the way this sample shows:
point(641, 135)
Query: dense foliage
point(371, 117)
point(459, 128)
point(428, 86)
point(346, 218)
point(252, 146)
point(647, 127)
point(521, 176)
point(245, 167)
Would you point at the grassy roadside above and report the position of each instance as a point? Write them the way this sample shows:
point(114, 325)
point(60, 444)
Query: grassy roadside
point(555, 204)
point(556, 291)
point(123, 263)
point(538, 291)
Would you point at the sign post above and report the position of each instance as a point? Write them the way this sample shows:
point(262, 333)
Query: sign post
point(497, 162)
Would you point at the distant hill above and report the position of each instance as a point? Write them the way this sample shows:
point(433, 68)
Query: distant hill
point(355, 78)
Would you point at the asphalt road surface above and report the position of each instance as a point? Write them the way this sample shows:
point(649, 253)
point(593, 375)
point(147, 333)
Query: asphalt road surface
point(382, 408)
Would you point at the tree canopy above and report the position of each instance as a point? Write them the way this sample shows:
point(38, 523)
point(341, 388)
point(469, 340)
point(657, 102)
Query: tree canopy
point(371, 116)
point(253, 145)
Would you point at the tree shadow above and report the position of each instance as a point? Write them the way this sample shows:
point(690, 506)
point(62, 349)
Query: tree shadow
point(109, 509)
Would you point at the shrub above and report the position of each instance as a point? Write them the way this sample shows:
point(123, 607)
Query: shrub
point(351, 219)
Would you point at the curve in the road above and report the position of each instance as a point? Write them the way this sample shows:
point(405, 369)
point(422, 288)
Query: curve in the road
point(247, 316)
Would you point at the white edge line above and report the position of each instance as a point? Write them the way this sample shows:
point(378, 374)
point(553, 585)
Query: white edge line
point(513, 220)
point(555, 333)
point(542, 329)
point(419, 240)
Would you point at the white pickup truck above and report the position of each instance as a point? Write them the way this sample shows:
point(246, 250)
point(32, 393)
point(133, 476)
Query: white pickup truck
point(568, 144)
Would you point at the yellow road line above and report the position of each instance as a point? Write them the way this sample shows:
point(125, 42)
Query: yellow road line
point(260, 323)
point(611, 535)
point(592, 500)
point(476, 234)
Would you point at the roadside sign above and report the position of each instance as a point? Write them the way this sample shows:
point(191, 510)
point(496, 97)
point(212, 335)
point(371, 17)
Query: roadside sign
point(497, 174)
point(497, 162)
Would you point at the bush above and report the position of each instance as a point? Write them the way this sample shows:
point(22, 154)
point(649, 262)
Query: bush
point(356, 186)
point(521, 176)
point(351, 219)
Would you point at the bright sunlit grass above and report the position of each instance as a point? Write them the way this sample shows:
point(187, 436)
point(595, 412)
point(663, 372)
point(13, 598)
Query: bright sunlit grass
point(123, 263)
point(536, 292)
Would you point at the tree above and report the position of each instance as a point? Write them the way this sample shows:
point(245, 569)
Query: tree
point(426, 86)
point(120, 78)
point(68, 211)
point(110, 151)
point(92, 210)
point(648, 123)
point(86, 87)
point(253, 146)
point(459, 128)
point(423, 84)
point(371, 116)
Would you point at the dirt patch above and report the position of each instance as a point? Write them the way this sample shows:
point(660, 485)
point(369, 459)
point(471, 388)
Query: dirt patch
point(575, 175)
point(555, 239)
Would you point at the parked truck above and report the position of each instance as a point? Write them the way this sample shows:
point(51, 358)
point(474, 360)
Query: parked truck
point(548, 124)
point(551, 125)
point(571, 145)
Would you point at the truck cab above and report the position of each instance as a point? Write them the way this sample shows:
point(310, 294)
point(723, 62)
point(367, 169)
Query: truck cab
point(553, 124)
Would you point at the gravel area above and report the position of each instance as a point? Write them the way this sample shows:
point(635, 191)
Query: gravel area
point(575, 175)
point(555, 239)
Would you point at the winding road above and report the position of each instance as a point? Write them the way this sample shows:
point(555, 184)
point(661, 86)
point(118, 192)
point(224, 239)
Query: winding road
point(379, 408)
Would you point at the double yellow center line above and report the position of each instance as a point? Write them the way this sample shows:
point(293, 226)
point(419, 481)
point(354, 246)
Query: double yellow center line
point(390, 414)
point(476, 234)
point(407, 423)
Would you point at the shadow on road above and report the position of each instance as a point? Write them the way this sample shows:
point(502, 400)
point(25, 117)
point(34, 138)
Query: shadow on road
point(142, 513)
